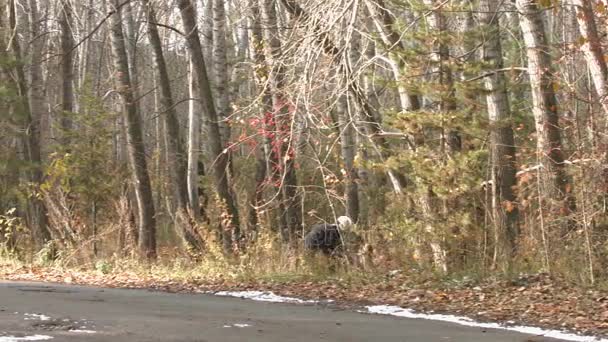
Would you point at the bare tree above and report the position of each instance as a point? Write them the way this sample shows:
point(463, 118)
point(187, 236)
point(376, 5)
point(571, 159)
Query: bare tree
point(282, 119)
point(592, 49)
point(555, 185)
point(172, 138)
point(502, 143)
point(67, 66)
point(136, 148)
point(36, 211)
point(218, 156)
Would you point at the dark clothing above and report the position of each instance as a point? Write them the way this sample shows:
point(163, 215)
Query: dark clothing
point(323, 237)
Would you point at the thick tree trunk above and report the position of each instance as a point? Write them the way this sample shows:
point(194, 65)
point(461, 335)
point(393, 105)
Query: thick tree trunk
point(67, 68)
point(194, 143)
point(503, 205)
point(36, 212)
point(262, 149)
point(136, 148)
point(173, 143)
point(36, 90)
point(220, 69)
point(217, 155)
point(554, 184)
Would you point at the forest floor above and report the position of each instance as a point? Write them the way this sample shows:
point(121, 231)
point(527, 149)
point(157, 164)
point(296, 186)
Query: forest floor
point(535, 300)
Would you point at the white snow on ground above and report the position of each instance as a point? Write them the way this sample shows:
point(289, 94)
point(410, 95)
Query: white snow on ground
point(29, 317)
point(82, 331)
point(262, 296)
point(24, 338)
point(407, 313)
point(237, 325)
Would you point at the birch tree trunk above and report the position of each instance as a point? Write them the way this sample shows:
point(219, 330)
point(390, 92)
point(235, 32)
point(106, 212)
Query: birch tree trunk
point(220, 69)
point(67, 68)
point(592, 49)
point(555, 185)
point(194, 142)
point(385, 24)
point(135, 142)
point(504, 209)
point(218, 157)
point(348, 147)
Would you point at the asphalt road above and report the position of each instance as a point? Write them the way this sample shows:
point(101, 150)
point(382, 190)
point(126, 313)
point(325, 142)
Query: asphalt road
point(75, 313)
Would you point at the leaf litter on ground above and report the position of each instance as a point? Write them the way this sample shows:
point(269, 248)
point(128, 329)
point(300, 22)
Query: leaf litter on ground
point(537, 300)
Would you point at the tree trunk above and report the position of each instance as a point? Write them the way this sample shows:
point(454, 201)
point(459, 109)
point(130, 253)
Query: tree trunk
point(384, 22)
point(218, 157)
point(283, 119)
point(67, 69)
point(136, 148)
point(36, 91)
point(173, 143)
point(220, 69)
point(348, 148)
point(592, 49)
point(504, 209)
point(36, 213)
point(555, 185)
point(194, 143)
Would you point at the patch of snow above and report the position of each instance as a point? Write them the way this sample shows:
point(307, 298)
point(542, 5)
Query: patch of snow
point(82, 331)
point(262, 296)
point(407, 313)
point(237, 325)
point(25, 338)
point(29, 316)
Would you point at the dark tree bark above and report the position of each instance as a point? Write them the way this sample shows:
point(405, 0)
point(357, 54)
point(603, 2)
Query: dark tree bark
point(173, 142)
point(36, 211)
point(503, 204)
point(135, 142)
point(218, 157)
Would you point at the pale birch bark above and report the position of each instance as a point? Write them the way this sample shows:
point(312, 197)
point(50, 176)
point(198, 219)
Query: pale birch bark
point(194, 142)
point(592, 49)
point(67, 68)
point(220, 69)
point(348, 149)
point(207, 32)
point(385, 24)
point(217, 155)
point(503, 205)
point(555, 184)
point(135, 142)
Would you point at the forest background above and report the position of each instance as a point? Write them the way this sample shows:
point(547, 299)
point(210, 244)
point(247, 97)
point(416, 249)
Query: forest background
point(464, 138)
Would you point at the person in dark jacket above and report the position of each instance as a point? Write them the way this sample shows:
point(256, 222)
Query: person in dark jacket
point(327, 238)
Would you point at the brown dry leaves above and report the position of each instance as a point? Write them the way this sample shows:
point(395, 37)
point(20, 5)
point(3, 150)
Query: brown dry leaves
point(536, 300)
